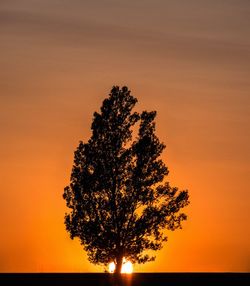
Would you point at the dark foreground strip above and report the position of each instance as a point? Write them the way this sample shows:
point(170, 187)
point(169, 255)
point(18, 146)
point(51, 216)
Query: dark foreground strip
point(136, 279)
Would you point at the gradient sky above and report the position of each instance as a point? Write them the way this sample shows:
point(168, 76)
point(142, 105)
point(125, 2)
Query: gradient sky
point(189, 60)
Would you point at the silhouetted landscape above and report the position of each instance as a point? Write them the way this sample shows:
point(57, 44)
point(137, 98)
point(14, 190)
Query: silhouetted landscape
point(136, 279)
point(124, 141)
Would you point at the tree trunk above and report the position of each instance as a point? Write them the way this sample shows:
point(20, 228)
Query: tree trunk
point(118, 267)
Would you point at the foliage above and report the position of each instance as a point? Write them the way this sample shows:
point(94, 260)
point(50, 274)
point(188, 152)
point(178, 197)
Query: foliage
point(119, 202)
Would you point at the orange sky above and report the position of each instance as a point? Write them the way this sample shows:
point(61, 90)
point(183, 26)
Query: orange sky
point(189, 60)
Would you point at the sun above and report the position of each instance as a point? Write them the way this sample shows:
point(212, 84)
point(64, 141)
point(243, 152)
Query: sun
point(111, 267)
point(127, 267)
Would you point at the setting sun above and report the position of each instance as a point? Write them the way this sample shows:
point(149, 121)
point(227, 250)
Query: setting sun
point(127, 267)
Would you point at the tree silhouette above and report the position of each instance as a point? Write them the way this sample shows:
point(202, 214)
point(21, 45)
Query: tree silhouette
point(118, 199)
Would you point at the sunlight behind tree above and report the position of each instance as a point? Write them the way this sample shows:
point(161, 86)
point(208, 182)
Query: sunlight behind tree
point(127, 267)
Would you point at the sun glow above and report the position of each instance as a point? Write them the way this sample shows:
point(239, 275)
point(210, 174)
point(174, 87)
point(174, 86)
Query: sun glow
point(111, 267)
point(127, 267)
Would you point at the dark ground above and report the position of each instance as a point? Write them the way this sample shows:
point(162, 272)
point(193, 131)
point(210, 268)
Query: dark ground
point(135, 279)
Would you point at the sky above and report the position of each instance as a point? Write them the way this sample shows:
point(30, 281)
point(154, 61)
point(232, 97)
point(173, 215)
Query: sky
point(189, 60)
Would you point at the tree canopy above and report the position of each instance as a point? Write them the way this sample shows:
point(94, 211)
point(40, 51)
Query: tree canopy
point(120, 203)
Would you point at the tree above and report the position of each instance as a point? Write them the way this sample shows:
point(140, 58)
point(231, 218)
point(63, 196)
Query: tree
point(119, 202)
